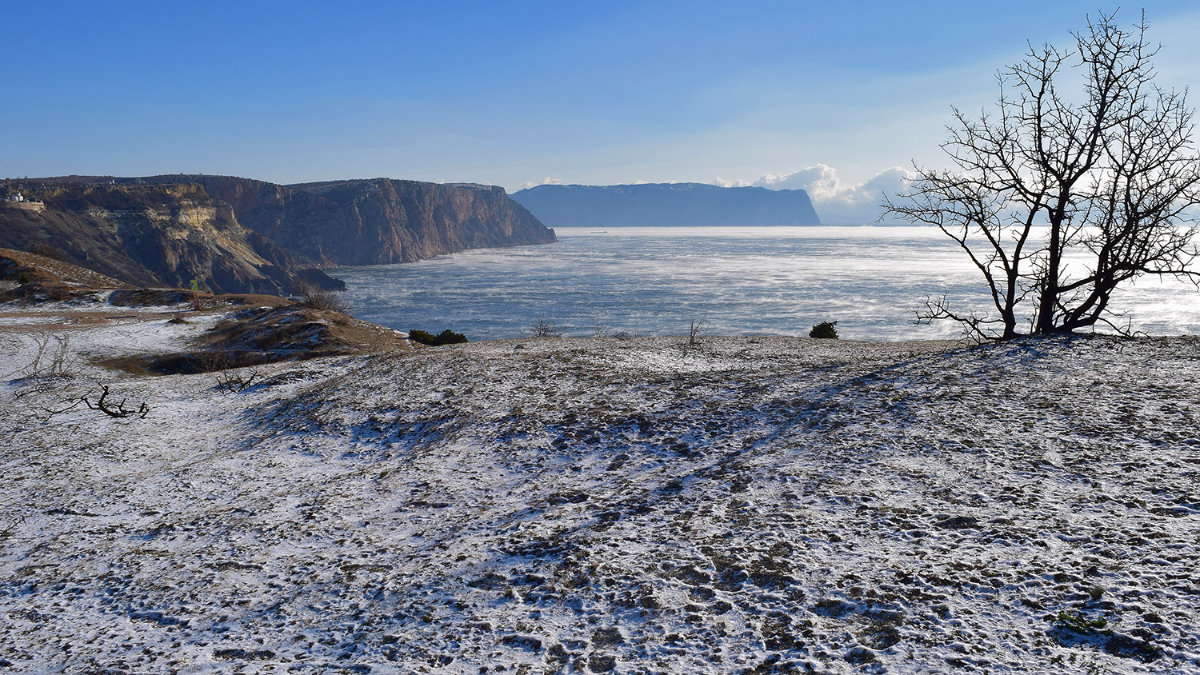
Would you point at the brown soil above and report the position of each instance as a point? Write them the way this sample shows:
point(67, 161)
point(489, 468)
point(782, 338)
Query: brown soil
point(49, 270)
point(268, 334)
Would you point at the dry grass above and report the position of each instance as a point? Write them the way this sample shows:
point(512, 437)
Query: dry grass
point(51, 269)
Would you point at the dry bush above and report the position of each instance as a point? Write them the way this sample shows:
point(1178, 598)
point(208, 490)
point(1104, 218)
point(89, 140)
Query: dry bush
point(233, 382)
point(51, 357)
point(320, 298)
point(212, 360)
point(546, 329)
point(697, 331)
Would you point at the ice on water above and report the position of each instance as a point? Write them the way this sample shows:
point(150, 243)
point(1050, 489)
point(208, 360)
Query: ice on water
point(740, 281)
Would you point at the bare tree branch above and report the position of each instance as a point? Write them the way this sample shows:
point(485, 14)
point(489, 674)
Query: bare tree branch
point(119, 410)
point(1104, 172)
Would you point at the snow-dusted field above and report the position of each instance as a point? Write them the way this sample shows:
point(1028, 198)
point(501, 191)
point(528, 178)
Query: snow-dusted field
point(746, 505)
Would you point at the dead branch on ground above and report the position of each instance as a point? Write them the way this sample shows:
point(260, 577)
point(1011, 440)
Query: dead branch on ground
point(114, 411)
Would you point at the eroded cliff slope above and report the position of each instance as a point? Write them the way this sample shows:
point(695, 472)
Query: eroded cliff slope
point(149, 235)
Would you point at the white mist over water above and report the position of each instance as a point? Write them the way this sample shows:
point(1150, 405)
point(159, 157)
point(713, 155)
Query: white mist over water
point(739, 280)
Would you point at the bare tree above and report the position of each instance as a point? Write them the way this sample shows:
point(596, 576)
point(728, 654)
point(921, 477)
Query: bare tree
point(1061, 194)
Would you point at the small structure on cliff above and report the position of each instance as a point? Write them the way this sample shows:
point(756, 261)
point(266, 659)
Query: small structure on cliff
point(17, 200)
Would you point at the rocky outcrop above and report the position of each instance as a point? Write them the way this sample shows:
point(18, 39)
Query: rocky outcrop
point(150, 235)
point(666, 205)
point(248, 236)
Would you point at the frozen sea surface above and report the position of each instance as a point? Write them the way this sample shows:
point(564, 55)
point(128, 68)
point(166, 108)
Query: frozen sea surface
point(739, 281)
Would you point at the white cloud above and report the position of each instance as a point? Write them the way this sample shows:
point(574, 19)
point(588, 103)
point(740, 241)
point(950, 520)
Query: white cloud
point(836, 201)
point(545, 181)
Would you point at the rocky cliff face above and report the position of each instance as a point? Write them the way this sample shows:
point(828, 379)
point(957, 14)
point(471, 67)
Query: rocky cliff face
point(378, 221)
point(402, 221)
point(243, 235)
point(666, 205)
point(150, 235)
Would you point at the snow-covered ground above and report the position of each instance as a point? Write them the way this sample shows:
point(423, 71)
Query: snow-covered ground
point(745, 505)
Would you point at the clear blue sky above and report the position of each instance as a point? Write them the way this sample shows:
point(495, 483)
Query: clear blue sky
point(514, 93)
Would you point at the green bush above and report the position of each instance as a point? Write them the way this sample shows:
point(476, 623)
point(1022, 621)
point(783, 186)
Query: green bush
point(449, 337)
point(824, 330)
point(446, 337)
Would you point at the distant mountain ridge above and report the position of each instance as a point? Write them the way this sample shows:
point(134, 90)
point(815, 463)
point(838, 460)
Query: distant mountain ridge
point(243, 235)
point(666, 205)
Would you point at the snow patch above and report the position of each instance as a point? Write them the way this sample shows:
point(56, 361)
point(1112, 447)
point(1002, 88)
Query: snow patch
point(747, 503)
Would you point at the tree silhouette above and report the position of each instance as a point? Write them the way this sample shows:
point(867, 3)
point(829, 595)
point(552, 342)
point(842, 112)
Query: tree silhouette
point(1063, 193)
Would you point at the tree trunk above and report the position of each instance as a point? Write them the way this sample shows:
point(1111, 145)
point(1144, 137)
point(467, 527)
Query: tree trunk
point(1049, 295)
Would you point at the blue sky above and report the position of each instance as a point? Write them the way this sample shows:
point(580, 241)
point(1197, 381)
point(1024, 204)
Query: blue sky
point(828, 96)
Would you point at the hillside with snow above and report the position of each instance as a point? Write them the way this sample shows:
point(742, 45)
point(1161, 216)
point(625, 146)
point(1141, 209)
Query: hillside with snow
point(573, 505)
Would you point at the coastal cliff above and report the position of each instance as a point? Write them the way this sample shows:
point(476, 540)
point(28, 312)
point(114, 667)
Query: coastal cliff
point(666, 205)
point(244, 235)
point(380, 220)
point(149, 235)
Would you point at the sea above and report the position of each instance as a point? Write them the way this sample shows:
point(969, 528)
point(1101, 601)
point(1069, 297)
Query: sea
point(647, 281)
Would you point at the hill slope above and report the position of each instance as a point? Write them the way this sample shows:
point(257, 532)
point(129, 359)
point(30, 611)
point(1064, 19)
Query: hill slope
point(22, 266)
point(750, 505)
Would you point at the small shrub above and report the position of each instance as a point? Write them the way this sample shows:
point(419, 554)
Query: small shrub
point(601, 329)
point(422, 336)
point(546, 329)
point(232, 382)
point(13, 522)
point(449, 337)
point(52, 357)
point(320, 298)
point(1079, 623)
point(824, 331)
point(446, 337)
